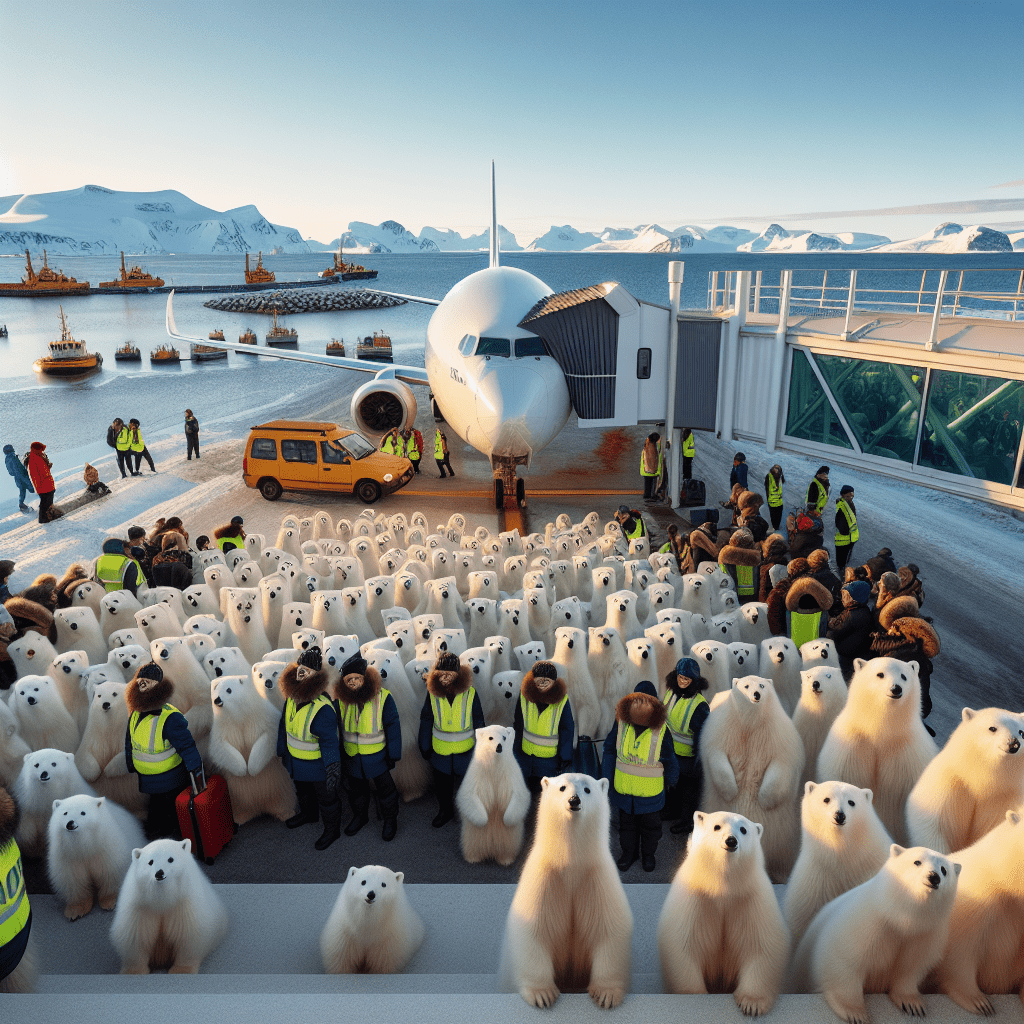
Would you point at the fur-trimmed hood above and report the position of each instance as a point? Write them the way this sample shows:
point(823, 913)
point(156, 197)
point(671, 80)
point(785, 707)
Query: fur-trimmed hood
point(915, 628)
point(552, 695)
point(74, 575)
point(897, 608)
point(31, 615)
point(372, 684)
point(807, 586)
point(733, 555)
point(42, 590)
point(152, 700)
point(774, 547)
point(641, 710)
point(699, 539)
point(749, 502)
point(10, 816)
point(303, 690)
point(436, 687)
point(228, 531)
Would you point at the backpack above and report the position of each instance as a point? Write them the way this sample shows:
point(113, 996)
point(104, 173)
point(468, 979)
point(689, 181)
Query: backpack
point(804, 523)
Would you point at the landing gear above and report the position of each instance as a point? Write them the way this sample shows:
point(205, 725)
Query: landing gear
point(506, 483)
point(521, 493)
point(499, 493)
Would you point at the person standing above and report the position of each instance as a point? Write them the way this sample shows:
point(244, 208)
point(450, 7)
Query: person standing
point(115, 569)
point(847, 532)
point(817, 490)
point(544, 725)
point(413, 441)
point(17, 469)
point(441, 454)
point(119, 439)
point(773, 481)
point(687, 712)
point(191, 434)
point(689, 450)
point(138, 446)
point(739, 471)
point(651, 465)
point(39, 467)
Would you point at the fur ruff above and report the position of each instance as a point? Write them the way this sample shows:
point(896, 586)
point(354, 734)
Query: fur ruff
point(460, 684)
point(371, 687)
point(552, 695)
point(33, 612)
point(10, 816)
point(733, 555)
point(915, 628)
point(302, 691)
point(628, 709)
point(699, 539)
point(151, 700)
point(807, 586)
point(228, 531)
point(66, 584)
point(897, 608)
point(750, 502)
point(774, 546)
point(699, 685)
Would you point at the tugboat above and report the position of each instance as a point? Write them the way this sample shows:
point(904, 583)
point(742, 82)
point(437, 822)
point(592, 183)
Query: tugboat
point(68, 358)
point(336, 347)
point(260, 274)
point(46, 283)
point(205, 353)
point(282, 337)
point(128, 353)
point(376, 347)
point(216, 335)
point(347, 271)
point(134, 278)
point(247, 337)
point(165, 355)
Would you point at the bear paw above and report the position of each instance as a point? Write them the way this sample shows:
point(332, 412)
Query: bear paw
point(752, 1005)
point(541, 997)
point(73, 911)
point(107, 901)
point(973, 1002)
point(909, 1002)
point(852, 1013)
point(184, 969)
point(606, 996)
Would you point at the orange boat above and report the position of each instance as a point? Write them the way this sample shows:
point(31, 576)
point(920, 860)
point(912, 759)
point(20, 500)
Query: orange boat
point(346, 271)
point(134, 278)
point(281, 337)
point(216, 335)
point(336, 347)
point(46, 283)
point(68, 357)
point(259, 274)
point(376, 347)
point(164, 354)
point(247, 337)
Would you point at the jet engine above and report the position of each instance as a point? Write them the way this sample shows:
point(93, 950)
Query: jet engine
point(381, 405)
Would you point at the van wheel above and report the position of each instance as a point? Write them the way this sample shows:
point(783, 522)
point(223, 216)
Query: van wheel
point(270, 488)
point(367, 491)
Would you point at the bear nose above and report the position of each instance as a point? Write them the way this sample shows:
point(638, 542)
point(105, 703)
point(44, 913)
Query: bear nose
point(219, 701)
point(71, 825)
point(571, 642)
point(165, 654)
point(757, 697)
point(74, 625)
point(574, 802)
point(840, 817)
point(106, 705)
point(896, 690)
point(218, 672)
point(739, 660)
point(780, 657)
point(508, 696)
point(31, 700)
point(497, 749)
point(1014, 746)
point(731, 842)
point(67, 670)
point(671, 640)
point(933, 879)
point(159, 876)
point(816, 686)
point(606, 641)
point(371, 896)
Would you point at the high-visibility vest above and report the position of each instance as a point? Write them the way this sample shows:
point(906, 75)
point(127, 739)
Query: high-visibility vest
point(744, 578)
point(152, 752)
point(438, 446)
point(638, 530)
point(774, 492)
point(688, 447)
point(657, 472)
point(14, 908)
point(453, 723)
point(303, 743)
point(822, 498)
point(540, 726)
point(412, 453)
point(638, 769)
point(388, 447)
point(804, 627)
point(362, 729)
point(122, 440)
point(138, 444)
point(680, 714)
point(111, 570)
point(852, 533)
point(239, 542)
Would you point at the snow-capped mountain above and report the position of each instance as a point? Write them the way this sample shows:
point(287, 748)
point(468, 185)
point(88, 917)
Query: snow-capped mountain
point(390, 236)
point(776, 238)
point(96, 220)
point(951, 237)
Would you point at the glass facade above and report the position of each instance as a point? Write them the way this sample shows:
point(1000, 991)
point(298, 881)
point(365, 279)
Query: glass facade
point(810, 414)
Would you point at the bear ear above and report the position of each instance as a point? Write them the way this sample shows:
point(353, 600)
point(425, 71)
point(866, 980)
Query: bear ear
point(186, 845)
point(28, 757)
point(858, 664)
point(602, 784)
point(967, 714)
point(895, 850)
point(698, 819)
point(352, 871)
point(916, 667)
point(136, 853)
point(399, 877)
point(759, 827)
point(809, 787)
point(956, 868)
point(100, 801)
point(1013, 817)
point(868, 795)
point(545, 782)
point(56, 804)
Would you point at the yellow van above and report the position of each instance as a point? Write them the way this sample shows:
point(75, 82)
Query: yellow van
point(298, 455)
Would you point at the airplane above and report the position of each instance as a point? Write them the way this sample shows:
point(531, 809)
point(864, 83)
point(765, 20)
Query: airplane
point(491, 380)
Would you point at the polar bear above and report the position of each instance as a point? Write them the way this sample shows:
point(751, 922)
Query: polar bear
point(721, 929)
point(878, 740)
point(68, 670)
point(493, 800)
point(501, 652)
point(843, 843)
point(570, 926)
point(780, 662)
point(753, 623)
point(191, 687)
point(715, 665)
point(225, 661)
point(819, 652)
point(513, 621)
point(611, 671)
point(822, 697)
point(603, 584)
point(571, 653)
point(504, 697)
point(135, 636)
point(380, 596)
point(527, 655)
point(12, 747)
point(243, 747)
point(373, 928)
point(244, 618)
point(159, 621)
point(46, 775)
point(986, 934)
point(622, 614)
point(483, 620)
point(79, 630)
point(168, 914)
point(965, 790)
point(126, 660)
point(752, 758)
point(43, 720)
point(883, 936)
point(328, 612)
point(89, 847)
point(264, 677)
point(32, 654)
point(295, 615)
point(199, 599)
point(354, 599)
point(667, 638)
point(117, 609)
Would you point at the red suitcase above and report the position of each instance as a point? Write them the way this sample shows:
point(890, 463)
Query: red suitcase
point(205, 817)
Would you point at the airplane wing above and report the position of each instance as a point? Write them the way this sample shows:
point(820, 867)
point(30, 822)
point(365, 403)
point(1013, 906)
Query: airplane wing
point(408, 374)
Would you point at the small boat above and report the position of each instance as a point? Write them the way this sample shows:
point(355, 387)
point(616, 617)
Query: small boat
point(164, 355)
point(134, 278)
point(281, 337)
point(47, 282)
point(128, 353)
point(3, 330)
point(376, 347)
point(336, 347)
point(259, 274)
point(206, 353)
point(68, 357)
point(216, 335)
point(346, 271)
point(247, 337)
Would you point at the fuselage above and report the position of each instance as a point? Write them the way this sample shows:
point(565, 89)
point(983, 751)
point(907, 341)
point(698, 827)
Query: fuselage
point(491, 379)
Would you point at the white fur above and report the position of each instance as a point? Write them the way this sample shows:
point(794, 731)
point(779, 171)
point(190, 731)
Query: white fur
point(68, 671)
point(43, 720)
point(46, 775)
point(780, 662)
point(79, 630)
point(822, 697)
point(12, 747)
point(571, 653)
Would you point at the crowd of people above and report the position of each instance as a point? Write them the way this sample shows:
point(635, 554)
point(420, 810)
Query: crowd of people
point(408, 444)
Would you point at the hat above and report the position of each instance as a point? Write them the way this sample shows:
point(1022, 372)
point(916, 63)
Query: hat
point(823, 469)
point(151, 670)
point(311, 658)
point(845, 489)
point(355, 666)
point(818, 559)
point(739, 457)
point(6, 568)
point(447, 662)
point(237, 520)
point(623, 510)
point(133, 422)
point(687, 667)
point(859, 591)
point(545, 670)
point(135, 532)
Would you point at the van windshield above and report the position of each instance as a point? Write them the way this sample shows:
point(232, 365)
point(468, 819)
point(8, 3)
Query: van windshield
point(356, 445)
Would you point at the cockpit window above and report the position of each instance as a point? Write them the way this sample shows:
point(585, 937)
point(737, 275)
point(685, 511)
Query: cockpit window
point(466, 345)
point(494, 347)
point(530, 347)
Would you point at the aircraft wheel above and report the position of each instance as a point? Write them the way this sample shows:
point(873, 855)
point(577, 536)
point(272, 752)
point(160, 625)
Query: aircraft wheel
point(520, 492)
point(499, 494)
point(435, 410)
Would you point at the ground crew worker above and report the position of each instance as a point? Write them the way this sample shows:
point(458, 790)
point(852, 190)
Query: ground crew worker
point(231, 536)
point(632, 523)
point(392, 443)
point(118, 438)
point(413, 443)
point(15, 913)
point(689, 450)
point(740, 559)
point(371, 735)
point(159, 748)
point(307, 743)
point(651, 457)
point(640, 763)
point(847, 532)
point(817, 490)
point(441, 454)
point(773, 481)
point(544, 725)
point(138, 448)
point(115, 569)
point(449, 719)
point(807, 605)
point(738, 475)
point(687, 713)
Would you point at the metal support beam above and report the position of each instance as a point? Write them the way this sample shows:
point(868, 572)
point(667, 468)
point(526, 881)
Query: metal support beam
point(775, 398)
point(937, 312)
point(849, 304)
point(732, 352)
point(675, 287)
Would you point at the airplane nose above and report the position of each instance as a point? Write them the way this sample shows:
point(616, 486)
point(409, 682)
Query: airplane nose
point(514, 409)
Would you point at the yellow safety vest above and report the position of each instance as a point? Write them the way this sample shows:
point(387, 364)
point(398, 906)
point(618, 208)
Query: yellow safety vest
point(804, 627)
point(540, 727)
point(303, 743)
point(822, 500)
point(774, 492)
point(438, 446)
point(657, 472)
point(152, 753)
point(744, 578)
point(638, 770)
point(122, 441)
point(362, 729)
point(239, 542)
point(138, 445)
point(14, 908)
point(852, 533)
point(638, 530)
point(688, 447)
point(680, 713)
point(388, 447)
point(411, 451)
point(453, 724)
point(111, 570)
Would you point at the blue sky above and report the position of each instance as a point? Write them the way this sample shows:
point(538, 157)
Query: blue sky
point(598, 114)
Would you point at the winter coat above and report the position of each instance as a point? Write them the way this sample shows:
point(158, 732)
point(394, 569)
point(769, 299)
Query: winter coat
point(807, 597)
point(172, 568)
point(17, 468)
point(777, 607)
point(39, 469)
point(447, 764)
point(850, 630)
point(369, 766)
point(175, 732)
point(530, 764)
point(830, 581)
point(324, 725)
point(191, 426)
point(132, 579)
point(878, 565)
point(732, 556)
point(702, 549)
point(738, 475)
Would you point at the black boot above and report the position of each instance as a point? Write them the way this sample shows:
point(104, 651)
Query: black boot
point(300, 819)
point(443, 816)
point(332, 825)
point(357, 822)
point(626, 861)
point(309, 809)
point(390, 829)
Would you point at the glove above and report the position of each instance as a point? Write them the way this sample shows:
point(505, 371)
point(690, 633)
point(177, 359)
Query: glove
point(333, 777)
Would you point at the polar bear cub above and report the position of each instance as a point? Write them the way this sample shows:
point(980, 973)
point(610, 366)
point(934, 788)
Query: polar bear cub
point(168, 914)
point(89, 847)
point(493, 800)
point(373, 928)
point(43, 720)
point(570, 926)
point(46, 775)
point(822, 697)
point(721, 929)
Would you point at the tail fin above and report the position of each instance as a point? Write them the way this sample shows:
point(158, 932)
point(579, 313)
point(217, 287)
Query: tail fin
point(494, 221)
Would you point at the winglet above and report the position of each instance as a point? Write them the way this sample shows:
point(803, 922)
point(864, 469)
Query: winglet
point(172, 327)
point(494, 221)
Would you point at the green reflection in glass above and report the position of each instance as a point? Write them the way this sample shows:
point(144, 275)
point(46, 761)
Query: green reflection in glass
point(810, 415)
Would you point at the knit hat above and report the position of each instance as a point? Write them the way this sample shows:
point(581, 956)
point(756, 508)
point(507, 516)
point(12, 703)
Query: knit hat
point(355, 666)
point(845, 489)
point(447, 662)
point(544, 669)
point(859, 591)
point(312, 658)
point(151, 670)
point(236, 520)
point(687, 667)
point(818, 559)
point(136, 533)
point(6, 568)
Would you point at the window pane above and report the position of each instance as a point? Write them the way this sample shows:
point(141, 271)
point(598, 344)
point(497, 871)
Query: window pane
point(881, 402)
point(973, 425)
point(530, 347)
point(358, 445)
point(298, 451)
point(334, 453)
point(264, 448)
point(494, 347)
point(810, 415)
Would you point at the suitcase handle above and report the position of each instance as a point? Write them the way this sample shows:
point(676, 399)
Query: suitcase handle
point(196, 789)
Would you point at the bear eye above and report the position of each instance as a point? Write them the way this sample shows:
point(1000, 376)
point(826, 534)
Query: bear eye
point(718, 828)
point(561, 789)
point(363, 882)
point(991, 728)
point(150, 863)
point(383, 885)
point(82, 813)
point(903, 677)
point(828, 799)
point(586, 789)
point(943, 870)
point(743, 830)
point(917, 863)
point(851, 803)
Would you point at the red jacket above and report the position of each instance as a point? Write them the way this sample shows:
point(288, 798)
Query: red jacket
point(39, 469)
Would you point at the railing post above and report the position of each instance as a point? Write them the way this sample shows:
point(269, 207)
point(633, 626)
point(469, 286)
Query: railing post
point(732, 352)
point(937, 312)
point(774, 397)
point(757, 292)
point(675, 287)
point(849, 304)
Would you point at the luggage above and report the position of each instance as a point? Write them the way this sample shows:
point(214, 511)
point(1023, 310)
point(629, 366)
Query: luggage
point(704, 515)
point(205, 817)
point(693, 492)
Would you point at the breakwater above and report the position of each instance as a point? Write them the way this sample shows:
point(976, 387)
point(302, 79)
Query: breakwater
point(288, 300)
